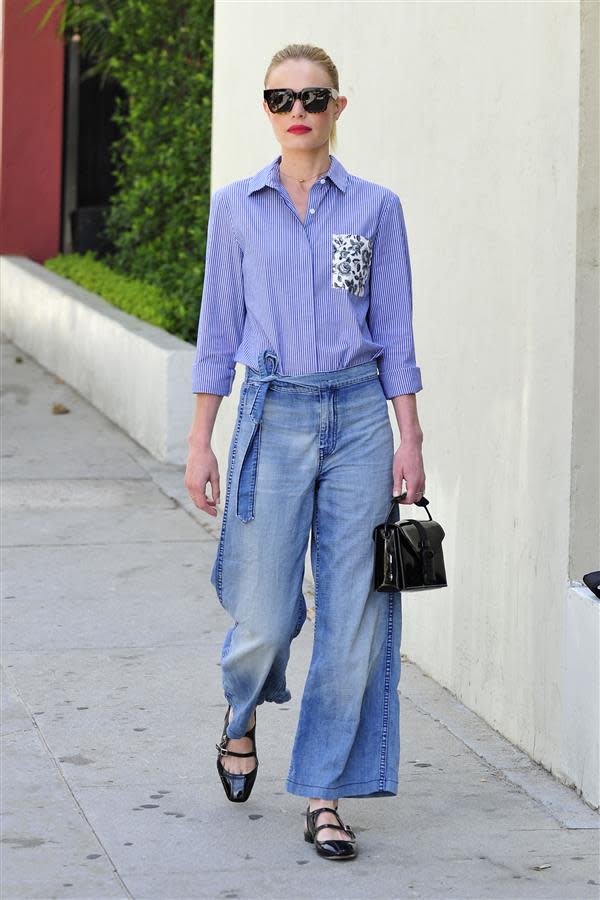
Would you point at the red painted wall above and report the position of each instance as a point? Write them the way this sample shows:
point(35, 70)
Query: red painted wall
point(31, 113)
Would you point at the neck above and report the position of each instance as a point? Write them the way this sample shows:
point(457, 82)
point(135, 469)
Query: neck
point(304, 163)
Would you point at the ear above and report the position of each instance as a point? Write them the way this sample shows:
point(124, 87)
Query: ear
point(342, 102)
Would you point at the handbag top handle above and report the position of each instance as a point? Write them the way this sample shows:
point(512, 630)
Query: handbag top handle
point(395, 505)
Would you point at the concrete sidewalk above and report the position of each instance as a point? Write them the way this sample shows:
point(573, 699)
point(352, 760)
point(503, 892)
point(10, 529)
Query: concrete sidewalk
point(112, 704)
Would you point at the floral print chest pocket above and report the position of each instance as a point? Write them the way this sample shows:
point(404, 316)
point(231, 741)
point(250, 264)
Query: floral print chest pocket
point(351, 262)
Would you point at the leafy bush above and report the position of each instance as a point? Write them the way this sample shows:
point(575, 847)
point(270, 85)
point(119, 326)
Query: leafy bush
point(161, 54)
point(146, 301)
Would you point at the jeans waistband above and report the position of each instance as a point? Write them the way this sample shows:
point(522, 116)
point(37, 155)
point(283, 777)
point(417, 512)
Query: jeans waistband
point(267, 372)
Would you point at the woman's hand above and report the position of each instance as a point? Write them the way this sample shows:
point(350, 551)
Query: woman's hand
point(408, 465)
point(408, 458)
point(202, 468)
point(202, 465)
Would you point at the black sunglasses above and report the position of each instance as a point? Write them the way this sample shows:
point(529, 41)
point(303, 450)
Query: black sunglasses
point(314, 100)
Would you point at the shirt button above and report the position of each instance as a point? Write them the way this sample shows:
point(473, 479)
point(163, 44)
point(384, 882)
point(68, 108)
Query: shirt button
point(322, 181)
point(311, 210)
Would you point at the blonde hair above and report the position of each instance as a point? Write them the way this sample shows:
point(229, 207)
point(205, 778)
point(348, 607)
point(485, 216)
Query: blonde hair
point(316, 55)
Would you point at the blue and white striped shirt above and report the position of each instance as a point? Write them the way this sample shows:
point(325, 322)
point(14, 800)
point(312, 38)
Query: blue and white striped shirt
point(330, 292)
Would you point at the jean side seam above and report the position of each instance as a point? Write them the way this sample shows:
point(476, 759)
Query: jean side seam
point(316, 573)
point(225, 508)
point(386, 690)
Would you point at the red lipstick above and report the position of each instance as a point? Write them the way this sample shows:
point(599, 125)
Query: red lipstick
point(299, 129)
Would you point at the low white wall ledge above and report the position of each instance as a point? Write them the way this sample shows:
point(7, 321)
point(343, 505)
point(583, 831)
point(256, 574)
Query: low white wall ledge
point(138, 375)
point(580, 693)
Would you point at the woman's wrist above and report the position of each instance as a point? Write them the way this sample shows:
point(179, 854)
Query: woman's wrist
point(200, 434)
point(199, 441)
point(405, 407)
point(412, 437)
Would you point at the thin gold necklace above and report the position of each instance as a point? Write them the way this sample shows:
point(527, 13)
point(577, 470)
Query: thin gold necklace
point(302, 180)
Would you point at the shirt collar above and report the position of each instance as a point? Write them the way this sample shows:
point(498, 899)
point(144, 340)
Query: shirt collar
point(269, 175)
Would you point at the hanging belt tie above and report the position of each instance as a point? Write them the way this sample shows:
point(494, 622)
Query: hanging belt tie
point(248, 448)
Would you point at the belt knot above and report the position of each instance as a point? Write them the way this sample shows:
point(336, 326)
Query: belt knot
point(268, 362)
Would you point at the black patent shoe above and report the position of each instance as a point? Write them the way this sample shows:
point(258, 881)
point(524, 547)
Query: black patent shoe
point(331, 849)
point(237, 787)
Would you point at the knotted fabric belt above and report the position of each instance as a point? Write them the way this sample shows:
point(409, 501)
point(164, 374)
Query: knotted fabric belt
point(268, 361)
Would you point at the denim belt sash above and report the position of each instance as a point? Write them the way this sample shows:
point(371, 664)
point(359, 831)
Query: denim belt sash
point(268, 361)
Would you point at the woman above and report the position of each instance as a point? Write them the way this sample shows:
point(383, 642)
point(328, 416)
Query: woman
point(308, 283)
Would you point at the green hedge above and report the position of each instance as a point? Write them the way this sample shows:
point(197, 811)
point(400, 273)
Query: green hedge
point(161, 54)
point(146, 301)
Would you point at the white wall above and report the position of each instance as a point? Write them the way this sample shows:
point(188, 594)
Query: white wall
point(470, 112)
point(135, 373)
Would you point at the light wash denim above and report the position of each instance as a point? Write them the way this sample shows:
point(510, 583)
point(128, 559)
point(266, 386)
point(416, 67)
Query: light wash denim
point(312, 455)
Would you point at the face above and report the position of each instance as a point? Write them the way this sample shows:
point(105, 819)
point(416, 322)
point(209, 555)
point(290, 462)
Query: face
point(298, 74)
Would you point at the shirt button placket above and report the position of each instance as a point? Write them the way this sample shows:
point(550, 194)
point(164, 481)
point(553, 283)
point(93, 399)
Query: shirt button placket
point(311, 212)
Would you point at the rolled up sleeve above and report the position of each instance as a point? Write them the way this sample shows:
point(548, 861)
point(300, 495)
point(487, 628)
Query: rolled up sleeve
point(222, 310)
point(390, 310)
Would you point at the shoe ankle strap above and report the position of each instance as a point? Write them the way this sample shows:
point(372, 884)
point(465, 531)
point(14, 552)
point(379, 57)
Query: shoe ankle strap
point(342, 826)
point(225, 752)
point(320, 809)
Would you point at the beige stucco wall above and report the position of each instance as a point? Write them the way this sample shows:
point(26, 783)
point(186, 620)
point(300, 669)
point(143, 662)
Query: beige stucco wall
point(471, 113)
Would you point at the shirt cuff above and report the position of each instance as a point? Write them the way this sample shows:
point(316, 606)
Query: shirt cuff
point(219, 380)
point(401, 381)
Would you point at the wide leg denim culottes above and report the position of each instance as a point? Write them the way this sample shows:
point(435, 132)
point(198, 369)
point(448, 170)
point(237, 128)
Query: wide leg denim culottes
point(312, 455)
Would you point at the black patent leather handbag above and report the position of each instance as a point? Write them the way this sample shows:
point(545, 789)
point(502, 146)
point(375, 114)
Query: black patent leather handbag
point(408, 552)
